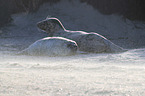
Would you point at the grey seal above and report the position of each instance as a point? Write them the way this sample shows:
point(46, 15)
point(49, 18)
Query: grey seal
point(51, 46)
point(87, 42)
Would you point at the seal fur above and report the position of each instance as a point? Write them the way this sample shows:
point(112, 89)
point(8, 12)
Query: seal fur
point(51, 46)
point(88, 42)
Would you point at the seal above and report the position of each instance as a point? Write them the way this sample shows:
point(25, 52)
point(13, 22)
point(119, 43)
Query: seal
point(87, 42)
point(51, 46)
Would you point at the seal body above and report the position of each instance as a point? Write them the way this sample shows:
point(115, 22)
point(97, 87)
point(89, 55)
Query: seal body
point(51, 46)
point(88, 42)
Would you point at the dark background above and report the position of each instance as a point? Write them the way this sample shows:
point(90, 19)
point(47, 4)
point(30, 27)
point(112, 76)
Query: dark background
point(131, 9)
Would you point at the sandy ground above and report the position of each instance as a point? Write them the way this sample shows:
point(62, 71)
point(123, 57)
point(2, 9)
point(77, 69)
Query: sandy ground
point(103, 74)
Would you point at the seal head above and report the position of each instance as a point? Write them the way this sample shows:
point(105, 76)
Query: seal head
point(50, 25)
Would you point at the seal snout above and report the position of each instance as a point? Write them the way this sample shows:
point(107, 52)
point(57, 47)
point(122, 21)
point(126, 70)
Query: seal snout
point(72, 46)
point(42, 25)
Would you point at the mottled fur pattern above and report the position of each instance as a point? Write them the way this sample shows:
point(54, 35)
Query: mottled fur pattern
point(88, 42)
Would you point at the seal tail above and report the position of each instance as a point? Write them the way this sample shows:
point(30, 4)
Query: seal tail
point(23, 52)
point(115, 48)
